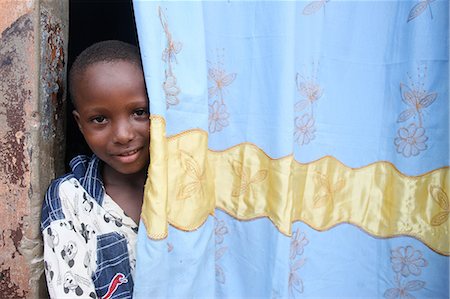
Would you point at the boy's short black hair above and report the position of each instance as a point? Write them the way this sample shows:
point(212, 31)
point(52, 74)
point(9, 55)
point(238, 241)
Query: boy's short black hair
point(104, 51)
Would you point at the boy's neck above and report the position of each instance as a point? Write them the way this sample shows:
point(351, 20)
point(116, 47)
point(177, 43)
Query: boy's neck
point(113, 178)
point(127, 190)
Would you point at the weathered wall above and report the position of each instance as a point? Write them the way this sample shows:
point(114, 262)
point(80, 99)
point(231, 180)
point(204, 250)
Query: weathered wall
point(32, 97)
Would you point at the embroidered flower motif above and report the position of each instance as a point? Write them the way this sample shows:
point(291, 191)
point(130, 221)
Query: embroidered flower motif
point(171, 90)
point(220, 274)
point(220, 230)
point(314, 6)
point(246, 180)
point(326, 190)
point(219, 79)
point(310, 91)
point(196, 172)
point(419, 8)
point(298, 242)
point(406, 261)
point(304, 129)
point(295, 283)
point(173, 47)
point(417, 99)
point(441, 198)
point(218, 117)
point(411, 140)
point(170, 87)
point(402, 291)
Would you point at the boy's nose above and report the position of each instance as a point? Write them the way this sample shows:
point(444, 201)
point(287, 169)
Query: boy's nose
point(123, 133)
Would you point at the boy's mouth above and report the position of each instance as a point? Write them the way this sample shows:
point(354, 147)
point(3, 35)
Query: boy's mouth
point(129, 153)
point(129, 156)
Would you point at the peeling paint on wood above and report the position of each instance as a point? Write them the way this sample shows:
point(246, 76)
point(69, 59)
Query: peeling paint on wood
point(13, 9)
point(16, 236)
point(16, 94)
point(32, 103)
point(9, 289)
point(52, 70)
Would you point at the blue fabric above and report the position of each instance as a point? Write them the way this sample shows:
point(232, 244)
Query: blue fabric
point(340, 263)
point(112, 258)
point(255, 261)
point(358, 52)
point(344, 70)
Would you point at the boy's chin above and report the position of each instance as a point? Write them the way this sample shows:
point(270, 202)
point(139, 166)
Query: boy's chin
point(127, 168)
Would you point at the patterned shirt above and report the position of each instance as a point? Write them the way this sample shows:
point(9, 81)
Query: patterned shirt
point(89, 242)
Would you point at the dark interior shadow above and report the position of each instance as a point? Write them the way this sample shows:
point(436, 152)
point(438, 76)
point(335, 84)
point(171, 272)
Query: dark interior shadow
point(91, 21)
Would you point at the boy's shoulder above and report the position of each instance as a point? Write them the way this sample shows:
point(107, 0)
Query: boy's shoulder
point(84, 174)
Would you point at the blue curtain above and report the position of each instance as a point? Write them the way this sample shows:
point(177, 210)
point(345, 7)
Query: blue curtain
point(300, 149)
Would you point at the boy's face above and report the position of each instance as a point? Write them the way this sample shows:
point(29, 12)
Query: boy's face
point(112, 113)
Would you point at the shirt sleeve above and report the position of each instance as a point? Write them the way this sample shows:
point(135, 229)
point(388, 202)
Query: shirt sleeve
point(67, 262)
point(68, 253)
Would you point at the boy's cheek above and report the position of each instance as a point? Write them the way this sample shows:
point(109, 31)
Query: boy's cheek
point(95, 139)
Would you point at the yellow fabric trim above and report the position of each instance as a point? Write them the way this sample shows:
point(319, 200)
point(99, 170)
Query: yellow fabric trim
point(154, 208)
point(187, 181)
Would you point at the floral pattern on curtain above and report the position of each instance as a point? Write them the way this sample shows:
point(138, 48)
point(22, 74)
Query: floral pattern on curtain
point(299, 149)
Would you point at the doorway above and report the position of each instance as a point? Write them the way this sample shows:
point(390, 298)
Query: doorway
point(90, 22)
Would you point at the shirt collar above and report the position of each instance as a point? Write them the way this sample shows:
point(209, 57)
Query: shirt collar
point(87, 170)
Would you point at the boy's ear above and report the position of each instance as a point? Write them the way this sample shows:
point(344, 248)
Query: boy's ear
point(76, 115)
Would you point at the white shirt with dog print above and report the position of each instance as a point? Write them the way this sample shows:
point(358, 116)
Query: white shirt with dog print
point(89, 242)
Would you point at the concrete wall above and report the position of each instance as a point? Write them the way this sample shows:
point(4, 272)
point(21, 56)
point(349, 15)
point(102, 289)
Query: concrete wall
point(33, 51)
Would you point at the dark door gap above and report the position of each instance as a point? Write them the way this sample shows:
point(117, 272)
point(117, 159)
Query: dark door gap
point(91, 21)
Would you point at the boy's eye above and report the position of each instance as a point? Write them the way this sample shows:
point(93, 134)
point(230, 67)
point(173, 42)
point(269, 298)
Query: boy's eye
point(140, 112)
point(99, 119)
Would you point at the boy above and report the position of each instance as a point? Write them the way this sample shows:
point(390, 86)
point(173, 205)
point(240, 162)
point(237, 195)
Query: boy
point(90, 216)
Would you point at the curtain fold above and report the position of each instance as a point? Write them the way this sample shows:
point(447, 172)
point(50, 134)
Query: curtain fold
point(298, 149)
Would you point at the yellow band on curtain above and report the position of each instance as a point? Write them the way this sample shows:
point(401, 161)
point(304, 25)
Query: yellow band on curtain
point(187, 181)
